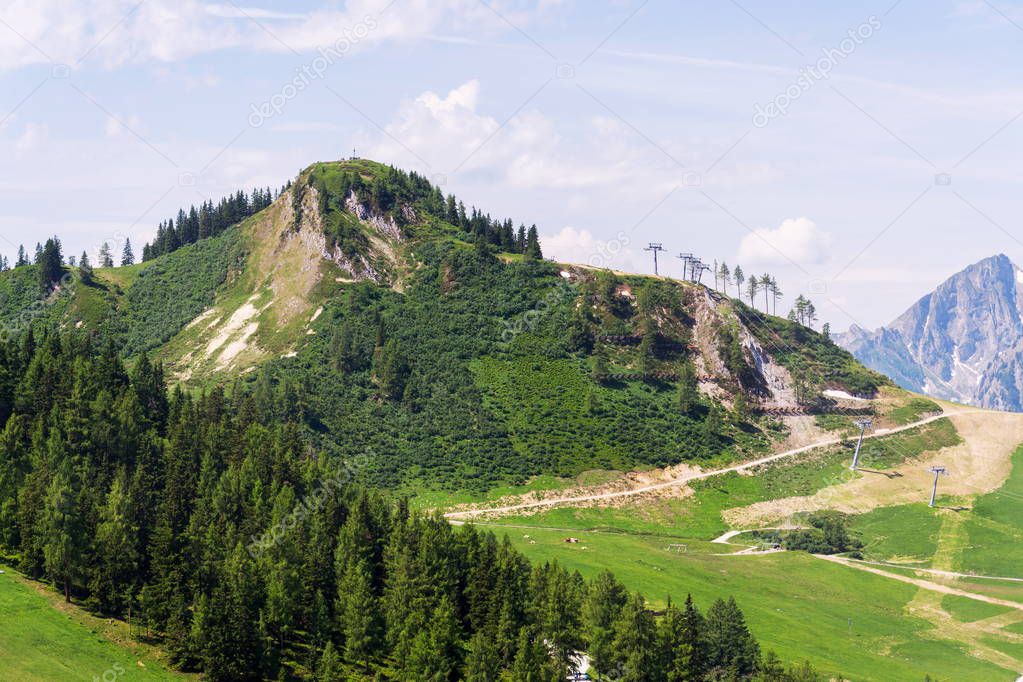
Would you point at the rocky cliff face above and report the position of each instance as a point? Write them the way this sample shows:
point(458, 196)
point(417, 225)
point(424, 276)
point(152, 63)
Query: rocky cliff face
point(963, 342)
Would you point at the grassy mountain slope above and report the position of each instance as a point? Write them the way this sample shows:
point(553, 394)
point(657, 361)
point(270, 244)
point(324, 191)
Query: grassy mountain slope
point(354, 303)
point(387, 329)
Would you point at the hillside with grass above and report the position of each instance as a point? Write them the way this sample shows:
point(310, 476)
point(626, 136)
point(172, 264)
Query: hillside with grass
point(650, 426)
point(393, 321)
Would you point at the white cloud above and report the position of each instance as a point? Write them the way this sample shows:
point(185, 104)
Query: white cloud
point(32, 136)
point(236, 12)
point(305, 127)
point(891, 275)
point(572, 245)
point(446, 134)
point(118, 32)
point(117, 124)
point(796, 240)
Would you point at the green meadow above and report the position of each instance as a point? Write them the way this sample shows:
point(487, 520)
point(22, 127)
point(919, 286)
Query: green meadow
point(41, 643)
point(843, 620)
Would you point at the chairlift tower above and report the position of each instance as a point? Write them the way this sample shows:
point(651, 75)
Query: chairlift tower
point(686, 259)
point(698, 267)
point(864, 424)
point(938, 472)
point(655, 248)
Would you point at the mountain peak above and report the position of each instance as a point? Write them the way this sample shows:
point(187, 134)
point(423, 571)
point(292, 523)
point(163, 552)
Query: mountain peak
point(962, 342)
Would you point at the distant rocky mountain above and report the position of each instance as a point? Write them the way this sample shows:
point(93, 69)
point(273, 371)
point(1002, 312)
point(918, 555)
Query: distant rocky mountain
point(963, 342)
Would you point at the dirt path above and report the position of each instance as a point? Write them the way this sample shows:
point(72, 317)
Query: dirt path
point(685, 478)
point(979, 464)
point(922, 584)
point(951, 575)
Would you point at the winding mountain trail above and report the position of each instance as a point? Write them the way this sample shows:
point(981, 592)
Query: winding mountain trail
point(923, 584)
point(951, 575)
point(687, 478)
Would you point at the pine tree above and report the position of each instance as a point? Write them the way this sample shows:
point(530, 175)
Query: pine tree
point(85, 269)
point(226, 626)
point(358, 613)
point(691, 647)
point(752, 288)
point(741, 407)
point(532, 662)
point(62, 534)
point(688, 388)
point(127, 255)
point(711, 429)
point(106, 260)
point(51, 265)
point(647, 350)
point(635, 643)
point(22, 257)
point(392, 370)
point(601, 610)
point(117, 551)
point(436, 649)
point(330, 668)
point(533, 250)
point(483, 660)
point(739, 277)
point(560, 618)
point(731, 647)
point(776, 294)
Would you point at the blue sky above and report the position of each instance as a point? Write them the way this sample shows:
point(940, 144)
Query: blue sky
point(609, 124)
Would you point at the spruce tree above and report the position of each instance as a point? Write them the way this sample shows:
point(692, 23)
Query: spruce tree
point(436, 649)
point(117, 551)
point(358, 613)
point(711, 429)
point(127, 255)
point(689, 645)
point(731, 647)
point(635, 643)
point(738, 276)
point(741, 407)
point(688, 388)
point(330, 668)
point(483, 660)
point(51, 265)
point(752, 288)
point(62, 533)
point(533, 250)
point(106, 260)
point(604, 603)
point(532, 662)
point(85, 269)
